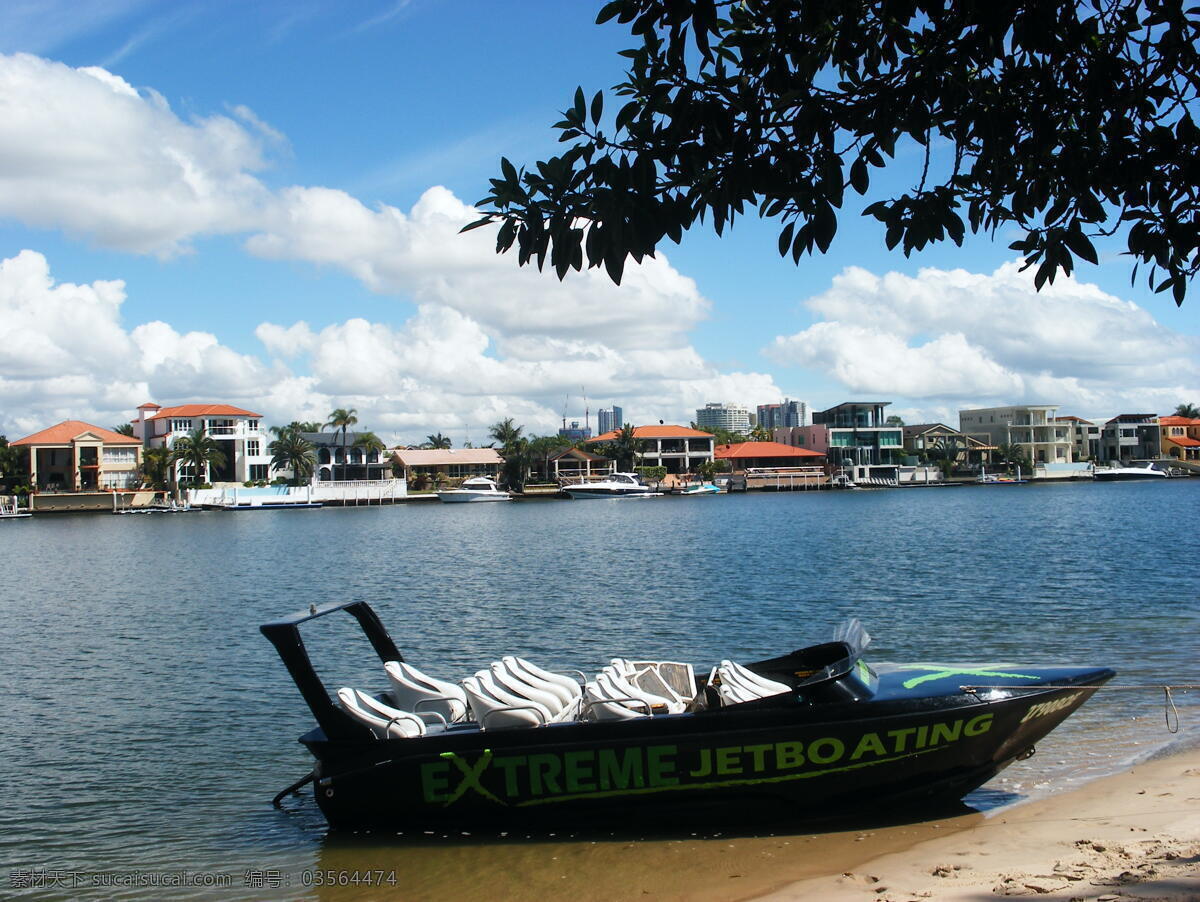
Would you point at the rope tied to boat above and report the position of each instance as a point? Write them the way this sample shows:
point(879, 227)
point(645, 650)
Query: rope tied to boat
point(1170, 711)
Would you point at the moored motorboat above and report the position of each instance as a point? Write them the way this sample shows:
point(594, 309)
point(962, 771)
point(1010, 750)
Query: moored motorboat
point(477, 488)
point(1117, 472)
point(804, 734)
point(615, 485)
point(701, 488)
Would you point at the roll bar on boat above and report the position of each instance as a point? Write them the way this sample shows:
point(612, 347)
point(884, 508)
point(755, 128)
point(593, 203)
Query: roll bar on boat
point(284, 634)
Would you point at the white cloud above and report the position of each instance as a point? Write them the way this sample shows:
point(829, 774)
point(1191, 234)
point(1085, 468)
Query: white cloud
point(65, 354)
point(954, 339)
point(82, 150)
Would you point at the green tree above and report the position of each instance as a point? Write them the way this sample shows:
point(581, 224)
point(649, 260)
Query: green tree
point(624, 448)
point(123, 429)
point(1012, 455)
point(505, 432)
point(894, 420)
point(292, 451)
point(342, 419)
point(198, 450)
point(437, 440)
point(156, 469)
point(517, 460)
point(1063, 121)
point(1191, 411)
point(297, 426)
point(761, 434)
point(541, 448)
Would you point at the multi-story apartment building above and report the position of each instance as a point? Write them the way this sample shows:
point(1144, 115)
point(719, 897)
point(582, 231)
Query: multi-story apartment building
point(855, 436)
point(731, 417)
point(1032, 426)
point(677, 448)
point(608, 419)
point(1131, 436)
point(782, 416)
point(1084, 435)
point(238, 432)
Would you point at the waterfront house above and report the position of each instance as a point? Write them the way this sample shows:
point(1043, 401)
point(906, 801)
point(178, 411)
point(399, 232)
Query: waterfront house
point(453, 463)
point(358, 463)
point(678, 449)
point(237, 432)
point(937, 441)
point(854, 437)
point(1084, 435)
point(1032, 426)
point(74, 456)
point(1131, 436)
point(1180, 437)
point(773, 455)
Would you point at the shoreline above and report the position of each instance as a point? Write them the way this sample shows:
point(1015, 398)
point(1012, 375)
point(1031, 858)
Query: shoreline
point(1131, 835)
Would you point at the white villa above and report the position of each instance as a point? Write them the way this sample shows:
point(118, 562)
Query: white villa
point(1034, 427)
point(239, 433)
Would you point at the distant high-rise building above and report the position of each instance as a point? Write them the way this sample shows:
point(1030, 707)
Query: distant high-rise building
point(608, 420)
point(783, 416)
point(575, 432)
point(732, 417)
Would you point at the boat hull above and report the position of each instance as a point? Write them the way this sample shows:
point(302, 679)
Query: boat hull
point(797, 762)
point(471, 497)
point(582, 493)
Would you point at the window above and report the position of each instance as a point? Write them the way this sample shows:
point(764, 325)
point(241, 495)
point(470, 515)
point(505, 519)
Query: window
point(258, 472)
point(253, 447)
point(181, 425)
point(120, 456)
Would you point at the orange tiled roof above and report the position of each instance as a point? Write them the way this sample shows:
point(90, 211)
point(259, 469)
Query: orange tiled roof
point(1183, 441)
point(1177, 421)
point(203, 410)
point(655, 432)
point(66, 431)
point(744, 450)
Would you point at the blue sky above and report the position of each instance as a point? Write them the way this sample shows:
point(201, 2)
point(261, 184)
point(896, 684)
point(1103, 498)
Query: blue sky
point(258, 204)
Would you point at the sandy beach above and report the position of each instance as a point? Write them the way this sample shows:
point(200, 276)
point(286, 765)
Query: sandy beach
point(1134, 835)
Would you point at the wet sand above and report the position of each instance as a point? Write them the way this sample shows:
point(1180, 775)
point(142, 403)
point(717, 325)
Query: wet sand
point(1135, 835)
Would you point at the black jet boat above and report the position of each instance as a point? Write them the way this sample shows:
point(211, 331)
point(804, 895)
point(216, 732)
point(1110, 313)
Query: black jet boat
point(805, 734)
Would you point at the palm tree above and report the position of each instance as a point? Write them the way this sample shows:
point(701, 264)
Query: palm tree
point(625, 447)
point(438, 441)
point(198, 449)
point(343, 419)
point(505, 432)
point(156, 467)
point(292, 451)
point(1191, 411)
point(369, 442)
point(517, 458)
point(1012, 453)
point(123, 429)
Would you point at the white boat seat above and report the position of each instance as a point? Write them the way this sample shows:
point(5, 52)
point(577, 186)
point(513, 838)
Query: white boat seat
point(417, 691)
point(495, 707)
point(740, 684)
point(383, 721)
point(602, 701)
point(662, 702)
point(561, 685)
point(671, 679)
point(554, 698)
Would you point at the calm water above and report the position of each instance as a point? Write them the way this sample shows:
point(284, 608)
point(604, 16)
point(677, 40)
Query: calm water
point(147, 723)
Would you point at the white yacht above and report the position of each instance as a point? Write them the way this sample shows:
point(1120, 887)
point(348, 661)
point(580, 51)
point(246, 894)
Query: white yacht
point(617, 485)
point(477, 488)
point(1147, 471)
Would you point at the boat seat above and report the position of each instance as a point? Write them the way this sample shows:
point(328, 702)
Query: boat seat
point(384, 721)
point(562, 704)
point(417, 691)
point(612, 697)
point(740, 684)
point(495, 707)
point(561, 685)
point(673, 680)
